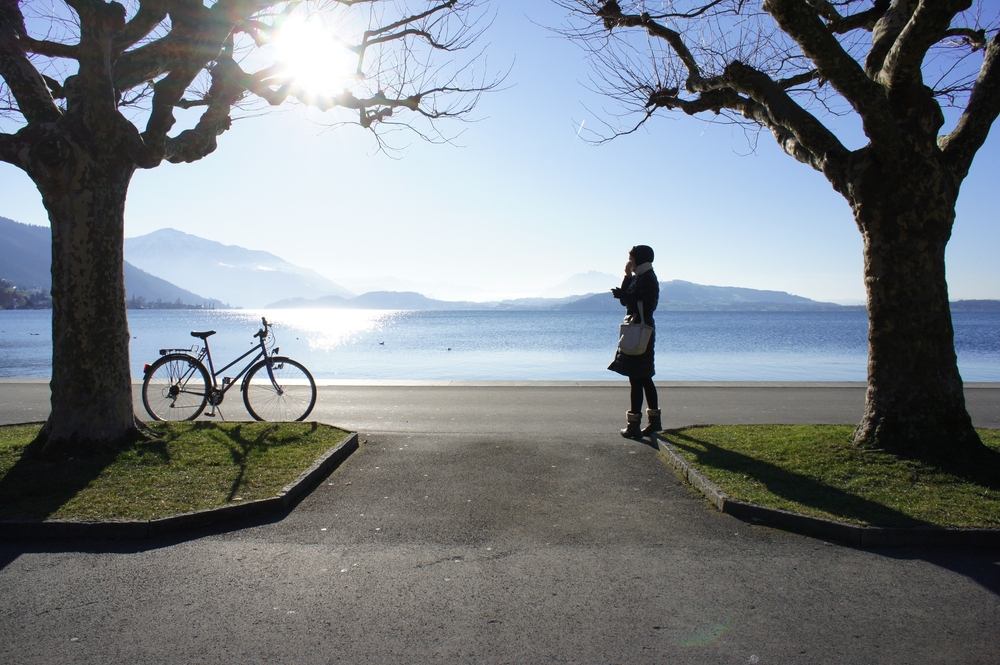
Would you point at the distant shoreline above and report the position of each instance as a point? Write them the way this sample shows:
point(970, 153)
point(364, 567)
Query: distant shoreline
point(509, 306)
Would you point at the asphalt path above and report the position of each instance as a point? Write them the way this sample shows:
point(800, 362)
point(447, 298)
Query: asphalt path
point(504, 524)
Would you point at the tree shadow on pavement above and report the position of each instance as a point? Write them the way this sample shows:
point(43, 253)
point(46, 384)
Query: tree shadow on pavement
point(979, 564)
point(792, 486)
point(9, 552)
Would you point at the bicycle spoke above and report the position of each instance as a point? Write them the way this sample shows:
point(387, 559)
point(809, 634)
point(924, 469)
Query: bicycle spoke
point(175, 388)
point(290, 396)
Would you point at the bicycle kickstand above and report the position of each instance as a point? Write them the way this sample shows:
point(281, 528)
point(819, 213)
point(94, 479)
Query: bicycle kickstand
point(212, 413)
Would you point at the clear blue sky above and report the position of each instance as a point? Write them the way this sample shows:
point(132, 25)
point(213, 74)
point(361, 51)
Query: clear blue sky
point(523, 203)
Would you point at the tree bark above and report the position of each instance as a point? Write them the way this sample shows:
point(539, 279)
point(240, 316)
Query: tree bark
point(84, 193)
point(915, 403)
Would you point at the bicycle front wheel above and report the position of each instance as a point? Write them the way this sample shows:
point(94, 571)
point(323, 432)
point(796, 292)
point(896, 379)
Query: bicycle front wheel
point(175, 388)
point(291, 395)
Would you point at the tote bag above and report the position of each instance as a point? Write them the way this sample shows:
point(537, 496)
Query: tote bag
point(634, 336)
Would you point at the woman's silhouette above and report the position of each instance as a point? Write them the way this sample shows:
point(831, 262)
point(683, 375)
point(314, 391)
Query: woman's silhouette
point(639, 285)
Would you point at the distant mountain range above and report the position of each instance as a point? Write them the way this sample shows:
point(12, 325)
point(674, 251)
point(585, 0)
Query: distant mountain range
point(26, 261)
point(584, 282)
point(674, 295)
point(169, 266)
point(679, 295)
point(410, 300)
point(244, 277)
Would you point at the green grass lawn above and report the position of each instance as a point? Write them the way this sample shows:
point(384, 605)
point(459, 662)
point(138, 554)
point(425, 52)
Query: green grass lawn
point(193, 466)
point(815, 470)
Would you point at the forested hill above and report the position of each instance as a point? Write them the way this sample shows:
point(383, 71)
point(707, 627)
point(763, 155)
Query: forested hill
point(25, 254)
point(26, 261)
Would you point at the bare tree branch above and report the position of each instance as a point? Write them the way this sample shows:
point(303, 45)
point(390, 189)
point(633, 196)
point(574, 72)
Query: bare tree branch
point(974, 38)
point(926, 26)
point(884, 34)
point(93, 87)
point(960, 146)
point(9, 148)
point(195, 38)
point(409, 20)
point(802, 24)
point(227, 89)
point(51, 49)
point(25, 83)
point(694, 13)
point(825, 151)
point(864, 20)
point(151, 13)
point(798, 79)
point(826, 9)
point(166, 93)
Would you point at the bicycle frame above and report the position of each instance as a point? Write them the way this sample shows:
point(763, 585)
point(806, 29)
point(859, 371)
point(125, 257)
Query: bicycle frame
point(261, 352)
point(227, 385)
point(205, 352)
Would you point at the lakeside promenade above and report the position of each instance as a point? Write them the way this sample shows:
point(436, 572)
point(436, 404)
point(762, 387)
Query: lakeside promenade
point(505, 523)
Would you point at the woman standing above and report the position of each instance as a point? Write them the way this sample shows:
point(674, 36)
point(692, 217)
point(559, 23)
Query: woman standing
point(639, 286)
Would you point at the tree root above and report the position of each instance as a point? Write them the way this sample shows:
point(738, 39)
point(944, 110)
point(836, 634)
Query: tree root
point(958, 444)
point(45, 447)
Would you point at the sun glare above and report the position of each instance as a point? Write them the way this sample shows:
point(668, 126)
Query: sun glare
point(313, 57)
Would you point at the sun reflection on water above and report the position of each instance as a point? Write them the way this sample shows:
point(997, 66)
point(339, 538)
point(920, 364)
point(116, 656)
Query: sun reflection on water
point(327, 329)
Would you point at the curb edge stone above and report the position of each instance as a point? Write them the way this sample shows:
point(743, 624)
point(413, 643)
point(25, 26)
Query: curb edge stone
point(15, 530)
point(818, 527)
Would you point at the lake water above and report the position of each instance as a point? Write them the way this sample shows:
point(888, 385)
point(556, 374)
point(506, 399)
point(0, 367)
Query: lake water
point(490, 345)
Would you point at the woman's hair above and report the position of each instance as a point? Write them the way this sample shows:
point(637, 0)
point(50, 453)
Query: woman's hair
point(641, 254)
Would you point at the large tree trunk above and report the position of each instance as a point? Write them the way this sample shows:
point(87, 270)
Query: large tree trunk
point(915, 404)
point(91, 379)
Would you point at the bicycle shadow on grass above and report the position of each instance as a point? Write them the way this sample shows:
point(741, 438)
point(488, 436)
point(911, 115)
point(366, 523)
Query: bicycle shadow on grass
point(792, 486)
point(241, 448)
point(37, 489)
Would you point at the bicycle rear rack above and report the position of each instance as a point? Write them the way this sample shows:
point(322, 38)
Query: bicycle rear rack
point(194, 349)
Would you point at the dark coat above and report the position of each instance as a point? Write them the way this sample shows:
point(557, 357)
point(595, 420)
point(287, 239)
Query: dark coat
point(647, 289)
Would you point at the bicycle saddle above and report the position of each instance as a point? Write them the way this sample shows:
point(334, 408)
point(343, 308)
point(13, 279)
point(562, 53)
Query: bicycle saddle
point(203, 335)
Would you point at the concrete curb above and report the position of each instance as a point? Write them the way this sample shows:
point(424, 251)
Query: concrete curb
point(825, 529)
point(12, 530)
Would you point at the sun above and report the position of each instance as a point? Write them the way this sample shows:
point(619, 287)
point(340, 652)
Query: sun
point(313, 57)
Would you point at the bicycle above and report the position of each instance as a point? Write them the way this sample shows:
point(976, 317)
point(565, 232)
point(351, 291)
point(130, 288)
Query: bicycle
point(178, 386)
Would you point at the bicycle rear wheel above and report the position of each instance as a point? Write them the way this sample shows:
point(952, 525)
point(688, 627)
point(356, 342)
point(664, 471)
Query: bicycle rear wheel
point(291, 396)
point(175, 388)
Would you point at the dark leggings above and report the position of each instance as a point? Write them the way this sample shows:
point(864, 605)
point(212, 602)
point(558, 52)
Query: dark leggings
point(640, 386)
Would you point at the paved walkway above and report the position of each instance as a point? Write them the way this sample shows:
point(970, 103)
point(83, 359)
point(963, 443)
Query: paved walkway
point(506, 524)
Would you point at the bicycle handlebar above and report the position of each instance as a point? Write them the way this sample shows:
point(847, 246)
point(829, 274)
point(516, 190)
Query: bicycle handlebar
point(262, 333)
